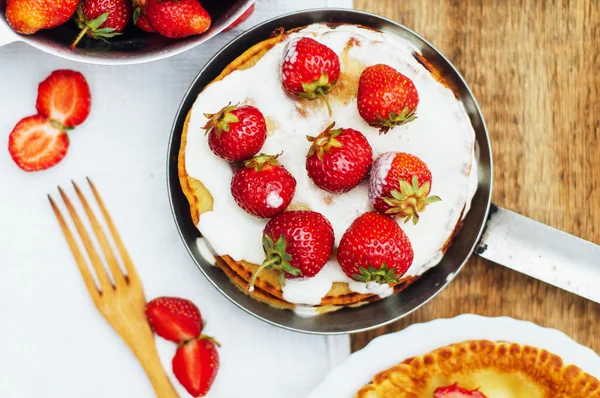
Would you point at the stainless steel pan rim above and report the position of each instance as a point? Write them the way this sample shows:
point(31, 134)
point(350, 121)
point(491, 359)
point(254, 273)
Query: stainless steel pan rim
point(383, 312)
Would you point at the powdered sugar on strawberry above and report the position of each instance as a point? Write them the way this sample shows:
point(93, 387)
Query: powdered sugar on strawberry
point(274, 200)
point(380, 171)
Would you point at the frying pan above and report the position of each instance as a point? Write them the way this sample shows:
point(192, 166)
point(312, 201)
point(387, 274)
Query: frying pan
point(491, 232)
point(132, 47)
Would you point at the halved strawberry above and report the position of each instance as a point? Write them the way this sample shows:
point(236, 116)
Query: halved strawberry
point(37, 143)
point(64, 97)
point(174, 319)
point(195, 365)
point(454, 391)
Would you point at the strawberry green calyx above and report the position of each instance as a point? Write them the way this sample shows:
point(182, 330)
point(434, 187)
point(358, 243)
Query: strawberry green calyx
point(220, 121)
point(318, 88)
point(382, 275)
point(260, 161)
point(276, 258)
point(205, 337)
point(394, 120)
point(137, 12)
point(92, 27)
point(410, 200)
point(325, 141)
point(59, 126)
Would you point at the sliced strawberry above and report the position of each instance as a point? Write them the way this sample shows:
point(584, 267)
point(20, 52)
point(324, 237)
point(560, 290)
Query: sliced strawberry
point(454, 391)
point(37, 144)
point(174, 319)
point(196, 364)
point(241, 19)
point(64, 97)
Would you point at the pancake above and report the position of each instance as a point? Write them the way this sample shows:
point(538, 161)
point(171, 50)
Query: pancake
point(497, 369)
point(336, 290)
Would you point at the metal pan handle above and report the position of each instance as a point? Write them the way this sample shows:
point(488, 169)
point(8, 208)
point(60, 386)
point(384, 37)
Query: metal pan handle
point(542, 252)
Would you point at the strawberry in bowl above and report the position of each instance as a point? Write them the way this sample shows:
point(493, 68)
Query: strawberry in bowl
point(102, 19)
point(119, 32)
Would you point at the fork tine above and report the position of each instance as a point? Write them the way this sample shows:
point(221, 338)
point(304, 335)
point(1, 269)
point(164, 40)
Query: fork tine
point(81, 264)
point(115, 269)
point(129, 267)
point(105, 283)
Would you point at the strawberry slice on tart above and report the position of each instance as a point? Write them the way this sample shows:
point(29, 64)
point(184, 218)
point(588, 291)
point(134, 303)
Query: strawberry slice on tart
point(375, 249)
point(310, 69)
point(454, 391)
point(263, 187)
point(236, 133)
point(386, 98)
point(297, 244)
point(400, 184)
point(339, 159)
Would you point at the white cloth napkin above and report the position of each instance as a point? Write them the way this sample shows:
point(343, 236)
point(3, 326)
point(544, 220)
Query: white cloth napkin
point(53, 343)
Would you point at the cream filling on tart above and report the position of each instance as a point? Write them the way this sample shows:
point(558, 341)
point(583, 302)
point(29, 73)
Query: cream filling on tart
point(442, 136)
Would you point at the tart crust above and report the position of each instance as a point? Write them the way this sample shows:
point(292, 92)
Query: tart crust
point(267, 287)
point(498, 369)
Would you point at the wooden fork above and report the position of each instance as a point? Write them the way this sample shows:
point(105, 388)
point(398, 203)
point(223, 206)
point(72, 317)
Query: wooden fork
point(120, 301)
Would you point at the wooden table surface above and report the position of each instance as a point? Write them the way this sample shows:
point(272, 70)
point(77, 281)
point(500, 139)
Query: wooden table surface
point(534, 67)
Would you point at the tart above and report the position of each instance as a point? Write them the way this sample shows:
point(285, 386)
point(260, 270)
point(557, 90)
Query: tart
point(441, 134)
point(494, 369)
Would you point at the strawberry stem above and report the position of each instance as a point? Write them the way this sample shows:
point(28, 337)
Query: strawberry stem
point(277, 258)
point(267, 263)
point(80, 36)
point(326, 102)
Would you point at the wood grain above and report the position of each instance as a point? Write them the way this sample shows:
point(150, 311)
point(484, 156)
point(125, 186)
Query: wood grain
point(534, 66)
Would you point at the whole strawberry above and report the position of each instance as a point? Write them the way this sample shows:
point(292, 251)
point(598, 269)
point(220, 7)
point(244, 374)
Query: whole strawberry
point(339, 159)
point(174, 319)
point(454, 391)
point(263, 187)
point(236, 133)
point(297, 244)
point(102, 19)
point(28, 17)
point(310, 69)
point(386, 98)
point(140, 19)
point(195, 365)
point(375, 249)
point(176, 19)
point(400, 184)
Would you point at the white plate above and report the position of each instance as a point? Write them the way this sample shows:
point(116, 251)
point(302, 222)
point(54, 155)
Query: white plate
point(386, 351)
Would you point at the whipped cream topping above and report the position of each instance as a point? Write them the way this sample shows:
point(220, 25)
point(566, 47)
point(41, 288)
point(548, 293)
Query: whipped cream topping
point(442, 136)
